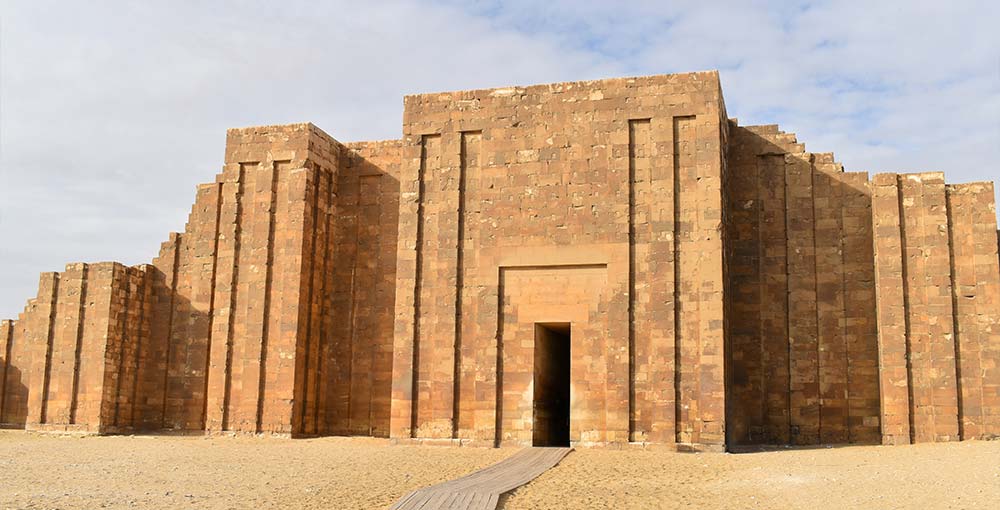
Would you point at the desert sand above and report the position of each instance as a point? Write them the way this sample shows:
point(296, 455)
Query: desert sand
point(217, 473)
point(925, 476)
point(49, 472)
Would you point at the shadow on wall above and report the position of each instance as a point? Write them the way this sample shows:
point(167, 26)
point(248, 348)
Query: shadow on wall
point(13, 399)
point(208, 347)
point(357, 342)
point(171, 370)
point(200, 371)
point(802, 352)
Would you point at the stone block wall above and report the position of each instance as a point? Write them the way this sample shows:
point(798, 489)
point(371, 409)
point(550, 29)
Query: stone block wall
point(803, 346)
point(360, 287)
point(721, 285)
point(246, 286)
point(273, 306)
point(595, 203)
point(861, 311)
point(269, 193)
point(13, 388)
point(938, 287)
point(247, 320)
point(71, 364)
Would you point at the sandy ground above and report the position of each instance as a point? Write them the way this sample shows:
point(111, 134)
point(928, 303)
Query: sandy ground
point(53, 472)
point(61, 472)
point(926, 476)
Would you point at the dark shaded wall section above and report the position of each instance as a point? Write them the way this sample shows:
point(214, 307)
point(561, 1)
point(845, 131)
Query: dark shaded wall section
point(803, 347)
point(861, 311)
point(356, 357)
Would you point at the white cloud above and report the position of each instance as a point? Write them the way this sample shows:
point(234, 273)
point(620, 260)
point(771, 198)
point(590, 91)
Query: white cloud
point(112, 112)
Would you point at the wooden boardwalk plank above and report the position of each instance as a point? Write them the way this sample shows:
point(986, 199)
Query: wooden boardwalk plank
point(404, 503)
point(464, 501)
point(478, 501)
point(482, 489)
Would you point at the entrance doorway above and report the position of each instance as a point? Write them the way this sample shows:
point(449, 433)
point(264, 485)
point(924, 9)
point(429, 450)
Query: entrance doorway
point(551, 385)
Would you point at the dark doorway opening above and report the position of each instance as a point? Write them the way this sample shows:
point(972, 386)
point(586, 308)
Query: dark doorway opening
point(551, 383)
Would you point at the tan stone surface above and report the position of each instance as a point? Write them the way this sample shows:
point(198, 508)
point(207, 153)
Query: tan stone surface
point(976, 297)
point(723, 286)
point(937, 287)
point(539, 183)
point(80, 353)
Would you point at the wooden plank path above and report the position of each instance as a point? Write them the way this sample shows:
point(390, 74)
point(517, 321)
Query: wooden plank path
point(482, 490)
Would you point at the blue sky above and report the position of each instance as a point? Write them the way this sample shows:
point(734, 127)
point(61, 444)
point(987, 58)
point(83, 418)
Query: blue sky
point(112, 112)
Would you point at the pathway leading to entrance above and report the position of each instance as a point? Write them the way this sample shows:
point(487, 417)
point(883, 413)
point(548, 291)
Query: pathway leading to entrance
point(482, 490)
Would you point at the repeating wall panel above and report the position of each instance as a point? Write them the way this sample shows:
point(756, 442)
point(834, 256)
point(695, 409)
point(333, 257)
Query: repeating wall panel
point(104, 286)
point(976, 294)
point(690, 276)
point(435, 317)
point(10, 382)
point(832, 348)
point(746, 345)
point(345, 248)
point(802, 350)
point(928, 296)
point(309, 376)
point(289, 310)
point(356, 341)
point(153, 378)
point(890, 277)
point(468, 290)
point(21, 352)
point(774, 298)
point(860, 321)
point(804, 406)
point(66, 336)
point(405, 330)
point(192, 312)
point(38, 329)
point(218, 377)
point(652, 277)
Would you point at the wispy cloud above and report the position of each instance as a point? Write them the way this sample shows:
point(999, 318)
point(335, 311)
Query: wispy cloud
point(111, 112)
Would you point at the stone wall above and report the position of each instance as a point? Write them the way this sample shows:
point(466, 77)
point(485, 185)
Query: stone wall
point(235, 326)
point(803, 347)
point(594, 203)
point(721, 285)
point(861, 311)
point(78, 353)
point(278, 290)
point(356, 363)
point(939, 300)
point(13, 389)
point(276, 181)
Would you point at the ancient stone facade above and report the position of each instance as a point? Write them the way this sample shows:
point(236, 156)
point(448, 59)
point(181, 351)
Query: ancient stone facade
point(611, 262)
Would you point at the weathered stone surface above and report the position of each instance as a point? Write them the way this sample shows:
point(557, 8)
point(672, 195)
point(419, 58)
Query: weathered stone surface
point(717, 285)
point(803, 345)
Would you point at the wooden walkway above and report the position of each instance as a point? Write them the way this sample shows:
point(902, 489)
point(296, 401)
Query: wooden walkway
point(482, 490)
